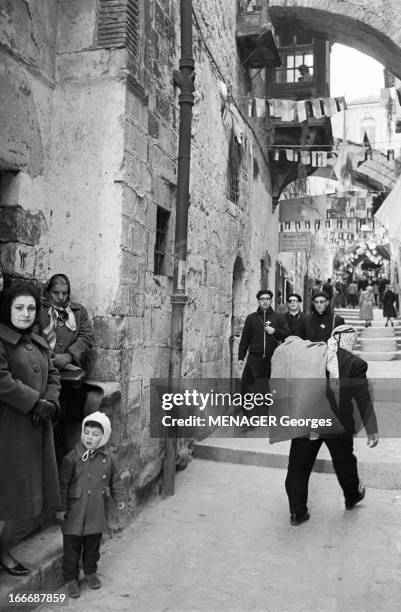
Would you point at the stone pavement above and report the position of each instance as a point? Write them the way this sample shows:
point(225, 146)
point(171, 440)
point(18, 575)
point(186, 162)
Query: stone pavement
point(224, 542)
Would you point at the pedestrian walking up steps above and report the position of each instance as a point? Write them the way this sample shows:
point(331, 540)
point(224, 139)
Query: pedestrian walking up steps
point(375, 343)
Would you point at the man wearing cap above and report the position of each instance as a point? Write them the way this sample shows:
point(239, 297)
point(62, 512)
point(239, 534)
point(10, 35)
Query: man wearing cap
point(294, 316)
point(347, 382)
point(262, 332)
point(318, 325)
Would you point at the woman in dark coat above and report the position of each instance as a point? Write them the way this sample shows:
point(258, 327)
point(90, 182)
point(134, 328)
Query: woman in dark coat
point(66, 327)
point(389, 311)
point(29, 389)
point(65, 324)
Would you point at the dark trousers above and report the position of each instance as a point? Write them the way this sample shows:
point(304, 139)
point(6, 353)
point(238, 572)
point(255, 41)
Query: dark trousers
point(303, 454)
point(73, 545)
point(255, 379)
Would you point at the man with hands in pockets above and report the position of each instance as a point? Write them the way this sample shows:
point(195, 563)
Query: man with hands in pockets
point(263, 330)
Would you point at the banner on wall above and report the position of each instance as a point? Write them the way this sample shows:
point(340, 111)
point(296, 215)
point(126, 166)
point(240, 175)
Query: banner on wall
point(308, 208)
point(295, 241)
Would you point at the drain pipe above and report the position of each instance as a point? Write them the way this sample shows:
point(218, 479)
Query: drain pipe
point(184, 79)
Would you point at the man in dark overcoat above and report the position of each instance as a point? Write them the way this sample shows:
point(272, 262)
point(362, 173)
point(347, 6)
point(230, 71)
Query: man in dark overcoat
point(318, 325)
point(294, 316)
point(262, 332)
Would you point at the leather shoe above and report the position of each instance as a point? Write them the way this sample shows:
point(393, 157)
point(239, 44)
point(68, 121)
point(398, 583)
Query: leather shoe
point(298, 519)
point(73, 589)
point(93, 581)
point(16, 570)
point(361, 494)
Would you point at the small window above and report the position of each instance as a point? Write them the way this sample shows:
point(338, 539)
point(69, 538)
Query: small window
point(162, 223)
point(293, 54)
point(234, 165)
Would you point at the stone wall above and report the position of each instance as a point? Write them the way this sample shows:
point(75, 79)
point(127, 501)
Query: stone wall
point(90, 153)
point(27, 68)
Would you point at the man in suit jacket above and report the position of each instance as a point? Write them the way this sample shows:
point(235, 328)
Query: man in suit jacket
point(350, 372)
point(294, 316)
point(318, 325)
point(263, 330)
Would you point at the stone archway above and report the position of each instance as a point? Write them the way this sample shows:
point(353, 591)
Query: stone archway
point(369, 27)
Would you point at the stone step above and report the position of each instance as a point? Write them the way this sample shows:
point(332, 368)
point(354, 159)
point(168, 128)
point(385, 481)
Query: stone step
point(379, 469)
point(377, 341)
point(378, 355)
point(378, 332)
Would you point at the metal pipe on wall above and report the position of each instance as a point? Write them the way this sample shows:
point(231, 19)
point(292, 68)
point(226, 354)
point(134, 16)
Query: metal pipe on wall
point(184, 79)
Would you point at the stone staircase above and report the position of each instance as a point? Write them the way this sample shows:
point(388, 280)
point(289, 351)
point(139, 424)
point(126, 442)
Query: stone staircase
point(375, 343)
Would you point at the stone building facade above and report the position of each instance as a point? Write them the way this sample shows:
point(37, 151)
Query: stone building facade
point(88, 169)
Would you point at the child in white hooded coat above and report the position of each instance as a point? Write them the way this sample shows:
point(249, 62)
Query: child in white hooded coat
point(88, 478)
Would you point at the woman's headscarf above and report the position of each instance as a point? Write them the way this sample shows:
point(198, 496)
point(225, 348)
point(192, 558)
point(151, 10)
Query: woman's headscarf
point(55, 313)
point(342, 336)
point(8, 296)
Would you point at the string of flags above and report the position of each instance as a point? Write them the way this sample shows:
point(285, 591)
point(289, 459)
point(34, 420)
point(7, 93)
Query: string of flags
point(339, 226)
point(295, 110)
point(313, 158)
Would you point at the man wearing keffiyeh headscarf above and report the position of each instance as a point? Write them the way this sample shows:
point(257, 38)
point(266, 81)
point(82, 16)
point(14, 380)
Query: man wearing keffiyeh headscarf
point(347, 382)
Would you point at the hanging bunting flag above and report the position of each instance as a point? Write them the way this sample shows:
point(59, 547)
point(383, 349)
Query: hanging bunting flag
point(276, 155)
point(305, 158)
point(252, 108)
point(314, 162)
point(317, 108)
point(288, 110)
point(330, 106)
point(384, 96)
point(277, 107)
point(341, 104)
point(301, 110)
point(260, 107)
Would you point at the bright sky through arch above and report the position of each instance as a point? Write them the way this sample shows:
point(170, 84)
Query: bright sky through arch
point(354, 74)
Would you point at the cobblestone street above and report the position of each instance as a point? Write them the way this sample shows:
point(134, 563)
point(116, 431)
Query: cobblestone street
point(224, 542)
